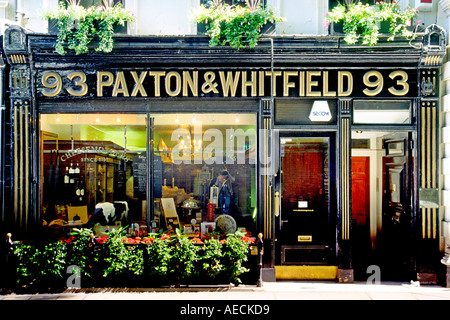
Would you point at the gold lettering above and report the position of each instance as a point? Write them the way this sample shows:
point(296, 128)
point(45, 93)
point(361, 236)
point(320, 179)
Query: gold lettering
point(310, 83)
point(377, 84)
point(301, 84)
point(402, 82)
point(157, 75)
point(120, 86)
point(101, 83)
point(252, 83)
point(261, 83)
point(341, 76)
point(191, 83)
point(81, 83)
point(230, 83)
point(274, 80)
point(286, 83)
point(138, 83)
point(52, 88)
point(209, 84)
point(173, 93)
point(327, 93)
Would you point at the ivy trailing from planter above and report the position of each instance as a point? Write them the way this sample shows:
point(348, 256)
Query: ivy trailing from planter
point(77, 26)
point(238, 26)
point(363, 21)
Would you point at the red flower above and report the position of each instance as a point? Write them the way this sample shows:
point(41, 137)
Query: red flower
point(197, 241)
point(165, 236)
point(148, 240)
point(248, 240)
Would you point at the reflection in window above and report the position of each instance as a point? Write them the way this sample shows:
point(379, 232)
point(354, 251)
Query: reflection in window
point(95, 170)
point(207, 162)
point(87, 160)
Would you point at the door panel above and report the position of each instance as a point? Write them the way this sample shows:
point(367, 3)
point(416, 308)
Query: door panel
point(360, 191)
point(303, 227)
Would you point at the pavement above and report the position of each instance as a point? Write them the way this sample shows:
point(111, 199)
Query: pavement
point(280, 290)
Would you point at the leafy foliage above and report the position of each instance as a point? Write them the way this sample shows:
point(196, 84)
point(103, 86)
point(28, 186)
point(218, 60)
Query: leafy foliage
point(122, 259)
point(363, 21)
point(164, 257)
point(40, 265)
point(78, 26)
point(237, 26)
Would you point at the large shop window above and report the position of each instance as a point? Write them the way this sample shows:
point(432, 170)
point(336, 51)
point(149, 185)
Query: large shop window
point(206, 163)
point(96, 173)
point(87, 166)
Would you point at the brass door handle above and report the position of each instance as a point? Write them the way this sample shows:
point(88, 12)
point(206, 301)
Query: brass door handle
point(277, 204)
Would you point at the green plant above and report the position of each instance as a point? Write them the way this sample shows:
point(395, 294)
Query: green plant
point(211, 258)
point(235, 254)
point(120, 258)
point(40, 265)
point(117, 260)
point(363, 21)
point(78, 26)
point(183, 257)
point(158, 257)
point(82, 251)
point(235, 25)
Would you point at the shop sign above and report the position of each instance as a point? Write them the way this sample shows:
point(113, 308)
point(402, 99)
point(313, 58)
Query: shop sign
point(221, 83)
point(320, 111)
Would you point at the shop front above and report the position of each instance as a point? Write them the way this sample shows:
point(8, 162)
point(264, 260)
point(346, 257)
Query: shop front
point(330, 152)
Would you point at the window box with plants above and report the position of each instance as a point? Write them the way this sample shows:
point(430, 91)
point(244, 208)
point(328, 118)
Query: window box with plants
point(366, 23)
point(235, 25)
point(78, 26)
point(114, 260)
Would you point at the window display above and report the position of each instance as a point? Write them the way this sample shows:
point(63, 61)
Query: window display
point(95, 171)
point(208, 164)
point(87, 168)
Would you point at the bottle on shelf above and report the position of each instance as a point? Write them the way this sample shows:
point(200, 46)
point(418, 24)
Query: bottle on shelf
point(66, 176)
point(71, 174)
point(77, 169)
point(71, 170)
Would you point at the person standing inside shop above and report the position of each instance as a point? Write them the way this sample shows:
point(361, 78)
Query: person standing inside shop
point(225, 192)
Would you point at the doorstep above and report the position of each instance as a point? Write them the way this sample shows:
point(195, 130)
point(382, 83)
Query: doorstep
point(306, 272)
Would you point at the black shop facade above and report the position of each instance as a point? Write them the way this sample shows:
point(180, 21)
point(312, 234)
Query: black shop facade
point(331, 151)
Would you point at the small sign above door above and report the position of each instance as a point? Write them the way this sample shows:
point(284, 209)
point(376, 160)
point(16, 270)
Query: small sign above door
point(320, 111)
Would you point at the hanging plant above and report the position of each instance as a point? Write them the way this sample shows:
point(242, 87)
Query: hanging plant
point(77, 25)
point(363, 21)
point(235, 25)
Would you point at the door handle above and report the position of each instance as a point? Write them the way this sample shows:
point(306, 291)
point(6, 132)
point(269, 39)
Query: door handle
point(277, 204)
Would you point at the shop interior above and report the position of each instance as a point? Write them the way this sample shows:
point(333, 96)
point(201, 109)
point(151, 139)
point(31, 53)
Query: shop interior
point(381, 199)
point(95, 172)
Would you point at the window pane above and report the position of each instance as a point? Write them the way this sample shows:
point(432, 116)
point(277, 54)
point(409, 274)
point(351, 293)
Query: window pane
point(87, 159)
point(382, 112)
point(191, 150)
